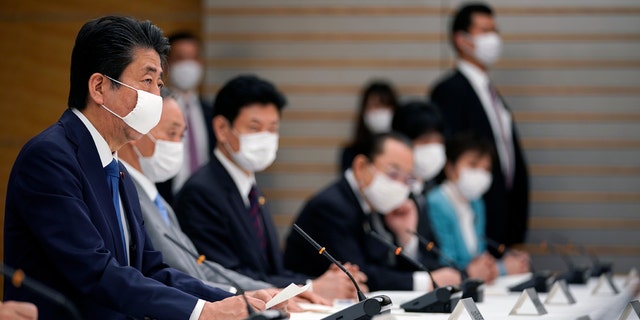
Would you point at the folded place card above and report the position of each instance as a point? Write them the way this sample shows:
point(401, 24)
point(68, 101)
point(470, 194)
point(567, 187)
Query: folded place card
point(559, 290)
point(605, 281)
point(633, 274)
point(632, 311)
point(468, 305)
point(528, 298)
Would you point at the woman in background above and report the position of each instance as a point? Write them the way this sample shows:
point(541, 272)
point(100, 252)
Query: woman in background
point(378, 103)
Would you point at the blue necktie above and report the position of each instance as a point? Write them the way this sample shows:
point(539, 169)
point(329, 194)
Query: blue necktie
point(162, 209)
point(113, 178)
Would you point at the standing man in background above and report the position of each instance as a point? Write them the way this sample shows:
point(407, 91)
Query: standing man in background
point(185, 73)
point(470, 102)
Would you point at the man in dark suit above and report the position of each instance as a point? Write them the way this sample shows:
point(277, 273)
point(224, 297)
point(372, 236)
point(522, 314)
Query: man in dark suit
point(220, 207)
point(185, 73)
point(469, 102)
point(72, 218)
point(372, 196)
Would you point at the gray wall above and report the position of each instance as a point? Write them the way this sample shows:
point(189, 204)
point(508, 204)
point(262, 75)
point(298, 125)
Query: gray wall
point(570, 72)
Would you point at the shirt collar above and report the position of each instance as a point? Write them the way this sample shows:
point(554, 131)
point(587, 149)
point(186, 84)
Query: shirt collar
point(242, 181)
point(474, 74)
point(101, 144)
point(351, 179)
point(149, 187)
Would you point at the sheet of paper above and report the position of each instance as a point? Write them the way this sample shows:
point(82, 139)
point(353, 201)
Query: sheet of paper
point(287, 293)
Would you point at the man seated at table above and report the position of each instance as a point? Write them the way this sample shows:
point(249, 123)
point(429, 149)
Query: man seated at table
point(221, 208)
point(372, 196)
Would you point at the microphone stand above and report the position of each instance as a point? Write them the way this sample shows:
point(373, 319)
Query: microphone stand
point(573, 274)
point(598, 267)
point(540, 280)
point(18, 279)
point(437, 301)
point(253, 315)
point(366, 308)
point(471, 288)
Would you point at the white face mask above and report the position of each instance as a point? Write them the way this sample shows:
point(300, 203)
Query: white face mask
point(488, 47)
point(164, 163)
point(378, 120)
point(473, 183)
point(185, 75)
point(145, 115)
point(429, 159)
point(385, 194)
point(257, 150)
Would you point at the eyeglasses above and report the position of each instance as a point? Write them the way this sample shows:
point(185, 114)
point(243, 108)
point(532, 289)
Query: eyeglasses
point(397, 175)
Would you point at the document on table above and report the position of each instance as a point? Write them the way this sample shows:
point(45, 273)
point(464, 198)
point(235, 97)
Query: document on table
point(287, 293)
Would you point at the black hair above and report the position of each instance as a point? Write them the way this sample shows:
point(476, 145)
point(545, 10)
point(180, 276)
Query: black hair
point(416, 118)
point(465, 142)
point(462, 18)
point(106, 45)
point(387, 94)
point(375, 146)
point(243, 91)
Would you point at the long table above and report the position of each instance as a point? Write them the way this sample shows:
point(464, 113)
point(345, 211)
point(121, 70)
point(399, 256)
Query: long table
point(604, 304)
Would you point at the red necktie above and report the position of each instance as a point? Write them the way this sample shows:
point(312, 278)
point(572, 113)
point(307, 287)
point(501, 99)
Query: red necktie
point(256, 219)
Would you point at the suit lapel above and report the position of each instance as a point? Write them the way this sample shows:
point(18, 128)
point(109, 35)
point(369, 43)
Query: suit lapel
point(96, 177)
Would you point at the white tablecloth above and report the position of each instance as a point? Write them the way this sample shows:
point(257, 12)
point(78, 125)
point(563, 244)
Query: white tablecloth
point(498, 302)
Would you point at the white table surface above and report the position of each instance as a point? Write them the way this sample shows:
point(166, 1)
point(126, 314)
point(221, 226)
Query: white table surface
point(498, 302)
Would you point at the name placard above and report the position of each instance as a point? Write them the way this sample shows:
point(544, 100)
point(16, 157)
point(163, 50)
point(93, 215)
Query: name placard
point(560, 289)
point(631, 311)
point(605, 281)
point(468, 305)
point(529, 295)
point(633, 275)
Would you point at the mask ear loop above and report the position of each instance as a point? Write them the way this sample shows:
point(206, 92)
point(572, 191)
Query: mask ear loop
point(137, 151)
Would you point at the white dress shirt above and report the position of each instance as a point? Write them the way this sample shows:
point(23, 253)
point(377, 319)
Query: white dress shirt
point(242, 180)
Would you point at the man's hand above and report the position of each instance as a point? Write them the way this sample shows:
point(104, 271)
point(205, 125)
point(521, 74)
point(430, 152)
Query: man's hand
point(13, 310)
point(516, 262)
point(334, 284)
point(446, 276)
point(402, 219)
point(231, 308)
point(483, 267)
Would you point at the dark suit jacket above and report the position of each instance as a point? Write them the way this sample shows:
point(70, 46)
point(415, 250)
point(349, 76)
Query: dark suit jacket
point(61, 229)
point(212, 213)
point(334, 218)
point(166, 188)
point(507, 209)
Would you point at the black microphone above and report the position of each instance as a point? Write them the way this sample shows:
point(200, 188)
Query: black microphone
point(253, 315)
point(598, 267)
point(436, 301)
point(541, 281)
point(471, 288)
point(18, 279)
point(574, 274)
point(366, 308)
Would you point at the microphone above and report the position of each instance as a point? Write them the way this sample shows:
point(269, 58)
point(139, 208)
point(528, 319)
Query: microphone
point(437, 301)
point(540, 280)
point(18, 279)
point(253, 315)
point(574, 274)
point(598, 267)
point(366, 308)
point(471, 288)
